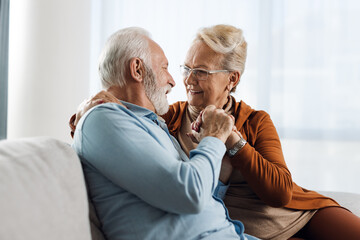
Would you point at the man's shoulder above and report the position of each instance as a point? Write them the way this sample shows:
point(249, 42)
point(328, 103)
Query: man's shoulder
point(103, 113)
point(111, 109)
point(108, 121)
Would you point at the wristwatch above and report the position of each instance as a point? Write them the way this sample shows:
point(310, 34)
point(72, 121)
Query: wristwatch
point(238, 146)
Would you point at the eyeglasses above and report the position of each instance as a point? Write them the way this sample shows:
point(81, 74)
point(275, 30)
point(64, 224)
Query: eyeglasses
point(200, 74)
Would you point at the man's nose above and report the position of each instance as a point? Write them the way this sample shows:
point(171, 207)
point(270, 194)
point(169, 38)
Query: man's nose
point(171, 81)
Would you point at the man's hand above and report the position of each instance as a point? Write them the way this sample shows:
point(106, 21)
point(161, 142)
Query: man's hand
point(212, 122)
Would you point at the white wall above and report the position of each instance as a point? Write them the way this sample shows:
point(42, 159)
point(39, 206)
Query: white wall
point(48, 65)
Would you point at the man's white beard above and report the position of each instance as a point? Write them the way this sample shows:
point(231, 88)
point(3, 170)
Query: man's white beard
point(156, 95)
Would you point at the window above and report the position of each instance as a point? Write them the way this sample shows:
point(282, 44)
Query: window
point(302, 68)
point(4, 36)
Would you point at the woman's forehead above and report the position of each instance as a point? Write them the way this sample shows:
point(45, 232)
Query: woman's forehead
point(201, 55)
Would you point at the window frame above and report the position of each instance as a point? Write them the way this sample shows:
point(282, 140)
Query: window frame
point(4, 49)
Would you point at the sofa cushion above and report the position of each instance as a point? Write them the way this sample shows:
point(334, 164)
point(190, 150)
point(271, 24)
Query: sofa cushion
point(42, 189)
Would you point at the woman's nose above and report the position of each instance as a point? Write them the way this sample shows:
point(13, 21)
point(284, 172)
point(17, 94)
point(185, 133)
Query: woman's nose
point(191, 79)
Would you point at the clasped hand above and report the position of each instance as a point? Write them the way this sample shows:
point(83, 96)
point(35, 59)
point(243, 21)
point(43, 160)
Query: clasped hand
point(212, 122)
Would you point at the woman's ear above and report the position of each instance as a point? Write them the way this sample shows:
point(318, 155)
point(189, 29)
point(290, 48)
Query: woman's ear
point(137, 70)
point(234, 78)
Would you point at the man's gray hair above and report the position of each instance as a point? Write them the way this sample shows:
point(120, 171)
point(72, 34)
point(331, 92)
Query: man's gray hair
point(119, 49)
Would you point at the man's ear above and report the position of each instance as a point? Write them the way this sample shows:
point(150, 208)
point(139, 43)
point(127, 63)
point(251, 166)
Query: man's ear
point(137, 69)
point(234, 78)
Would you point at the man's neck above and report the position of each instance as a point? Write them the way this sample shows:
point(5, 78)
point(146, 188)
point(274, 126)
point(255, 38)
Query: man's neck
point(132, 94)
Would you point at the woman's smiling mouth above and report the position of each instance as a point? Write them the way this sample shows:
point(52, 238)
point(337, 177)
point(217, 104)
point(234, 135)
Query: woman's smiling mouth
point(193, 92)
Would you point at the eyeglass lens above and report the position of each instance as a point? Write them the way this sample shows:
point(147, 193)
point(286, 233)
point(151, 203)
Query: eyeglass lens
point(198, 73)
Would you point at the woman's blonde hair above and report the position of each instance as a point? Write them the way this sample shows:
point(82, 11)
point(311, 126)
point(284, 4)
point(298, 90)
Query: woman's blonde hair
point(228, 40)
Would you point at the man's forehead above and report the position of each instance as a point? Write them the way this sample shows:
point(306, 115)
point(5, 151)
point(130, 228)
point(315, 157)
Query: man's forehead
point(156, 51)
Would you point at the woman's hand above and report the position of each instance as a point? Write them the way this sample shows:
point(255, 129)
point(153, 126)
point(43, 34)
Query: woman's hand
point(233, 138)
point(99, 98)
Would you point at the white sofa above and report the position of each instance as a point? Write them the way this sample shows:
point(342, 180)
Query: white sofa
point(43, 193)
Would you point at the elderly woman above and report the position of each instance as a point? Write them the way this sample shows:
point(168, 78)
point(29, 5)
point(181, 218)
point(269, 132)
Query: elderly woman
point(260, 190)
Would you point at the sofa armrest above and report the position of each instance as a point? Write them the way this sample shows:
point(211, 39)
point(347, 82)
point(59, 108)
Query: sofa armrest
point(42, 189)
point(350, 201)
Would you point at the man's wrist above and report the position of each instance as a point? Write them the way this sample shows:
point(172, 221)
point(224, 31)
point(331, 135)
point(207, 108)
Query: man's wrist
point(218, 135)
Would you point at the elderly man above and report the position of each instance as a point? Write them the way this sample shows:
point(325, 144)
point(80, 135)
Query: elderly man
point(142, 184)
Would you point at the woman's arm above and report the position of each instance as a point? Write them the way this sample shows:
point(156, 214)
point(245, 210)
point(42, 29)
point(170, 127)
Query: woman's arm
point(262, 164)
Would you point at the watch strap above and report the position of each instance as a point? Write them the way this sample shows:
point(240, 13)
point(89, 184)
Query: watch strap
point(237, 147)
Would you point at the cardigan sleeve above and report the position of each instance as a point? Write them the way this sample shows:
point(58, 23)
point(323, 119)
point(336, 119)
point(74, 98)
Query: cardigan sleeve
point(262, 163)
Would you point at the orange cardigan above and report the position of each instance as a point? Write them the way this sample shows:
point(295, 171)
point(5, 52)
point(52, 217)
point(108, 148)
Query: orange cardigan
point(261, 161)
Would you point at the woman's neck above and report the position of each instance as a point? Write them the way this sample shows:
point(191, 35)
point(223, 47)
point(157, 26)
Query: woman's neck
point(194, 111)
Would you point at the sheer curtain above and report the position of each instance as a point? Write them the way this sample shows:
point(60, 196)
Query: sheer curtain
point(303, 68)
